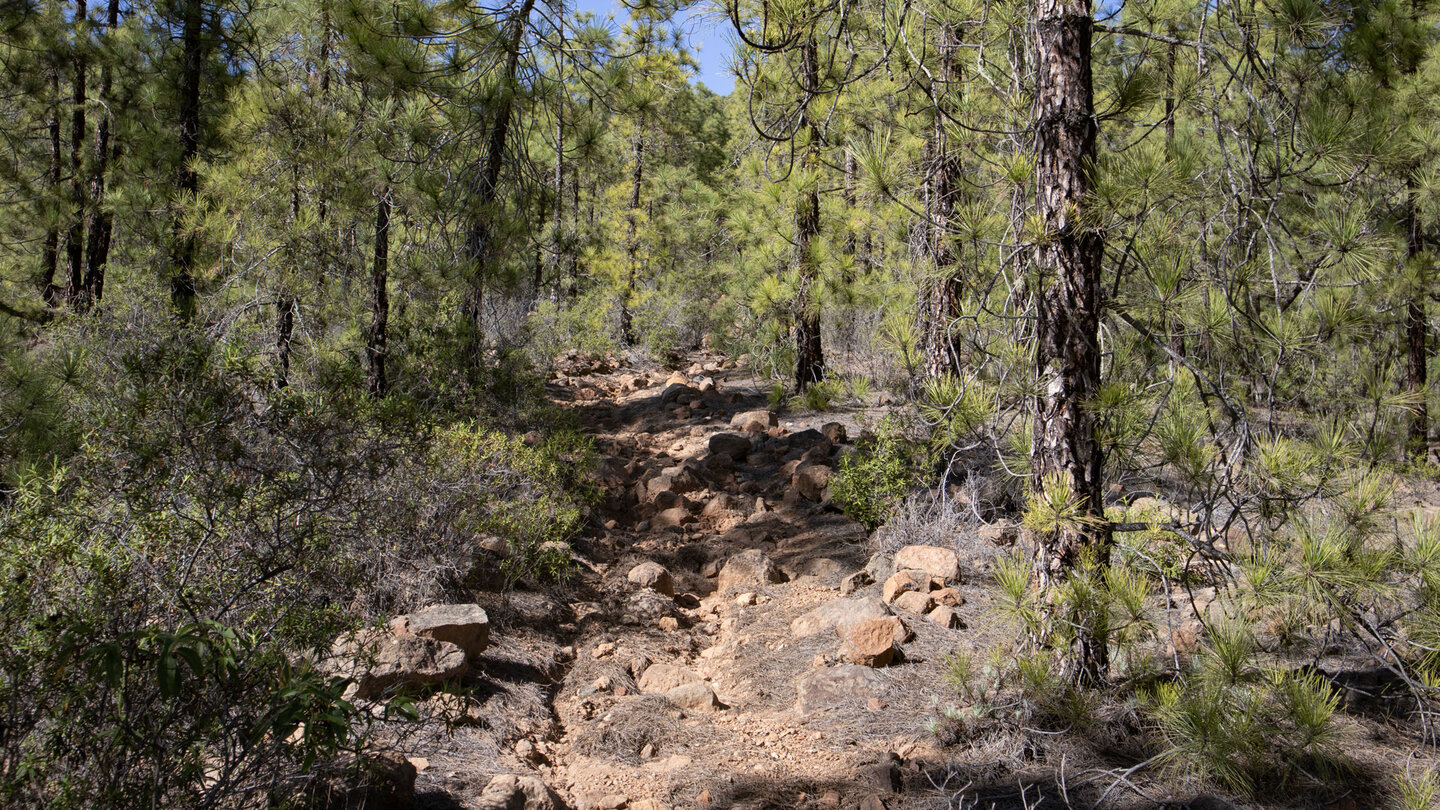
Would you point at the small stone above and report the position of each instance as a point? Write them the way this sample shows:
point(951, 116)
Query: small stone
point(603, 649)
point(652, 575)
point(946, 617)
point(870, 643)
point(835, 432)
point(856, 581)
point(661, 678)
point(755, 421)
point(898, 583)
point(509, 790)
point(668, 624)
point(948, 597)
point(729, 444)
point(695, 696)
point(750, 567)
point(914, 602)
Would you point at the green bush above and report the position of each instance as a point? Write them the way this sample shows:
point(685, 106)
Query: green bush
point(872, 481)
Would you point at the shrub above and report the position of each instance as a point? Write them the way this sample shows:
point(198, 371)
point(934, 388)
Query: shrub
point(877, 476)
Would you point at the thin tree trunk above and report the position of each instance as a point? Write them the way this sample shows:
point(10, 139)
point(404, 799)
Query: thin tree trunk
point(940, 295)
point(1416, 357)
point(1065, 452)
point(559, 212)
point(101, 221)
point(75, 240)
point(182, 245)
point(284, 337)
point(50, 254)
point(376, 335)
point(479, 241)
point(632, 241)
point(809, 349)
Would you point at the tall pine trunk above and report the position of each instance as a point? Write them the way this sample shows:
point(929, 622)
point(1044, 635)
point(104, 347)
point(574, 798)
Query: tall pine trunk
point(75, 240)
point(1065, 453)
point(376, 335)
point(50, 253)
point(1416, 357)
point(481, 237)
point(940, 295)
point(182, 240)
point(100, 222)
point(809, 349)
point(632, 241)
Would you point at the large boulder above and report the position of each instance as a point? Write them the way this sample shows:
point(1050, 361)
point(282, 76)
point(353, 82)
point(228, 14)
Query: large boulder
point(511, 791)
point(379, 663)
point(729, 444)
point(832, 687)
point(652, 575)
point(750, 567)
point(466, 626)
point(839, 615)
point(933, 560)
point(914, 602)
point(755, 421)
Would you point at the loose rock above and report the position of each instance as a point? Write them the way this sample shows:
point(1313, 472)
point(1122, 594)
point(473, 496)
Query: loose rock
point(841, 614)
point(750, 567)
point(509, 791)
point(652, 575)
point(465, 626)
point(830, 687)
point(870, 643)
point(933, 560)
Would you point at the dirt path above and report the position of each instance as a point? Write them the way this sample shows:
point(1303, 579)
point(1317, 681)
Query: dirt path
point(695, 660)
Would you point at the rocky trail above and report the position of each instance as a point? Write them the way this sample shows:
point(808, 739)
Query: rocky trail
point(729, 640)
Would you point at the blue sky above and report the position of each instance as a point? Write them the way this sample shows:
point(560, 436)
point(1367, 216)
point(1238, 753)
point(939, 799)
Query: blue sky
point(709, 36)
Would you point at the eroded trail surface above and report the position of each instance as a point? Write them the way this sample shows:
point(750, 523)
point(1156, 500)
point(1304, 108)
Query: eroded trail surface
point(730, 640)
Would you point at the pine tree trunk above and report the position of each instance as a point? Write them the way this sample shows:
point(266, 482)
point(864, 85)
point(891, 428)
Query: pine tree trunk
point(375, 338)
point(75, 240)
point(284, 336)
point(1065, 451)
point(50, 253)
point(182, 241)
point(480, 239)
point(101, 222)
point(559, 212)
point(940, 296)
point(1416, 357)
point(809, 349)
point(632, 242)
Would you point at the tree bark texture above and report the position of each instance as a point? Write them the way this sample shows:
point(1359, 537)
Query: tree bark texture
point(809, 349)
point(1065, 448)
point(182, 247)
point(376, 335)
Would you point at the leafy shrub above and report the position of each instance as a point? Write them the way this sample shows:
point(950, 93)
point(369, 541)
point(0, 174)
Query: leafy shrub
point(877, 476)
point(166, 580)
